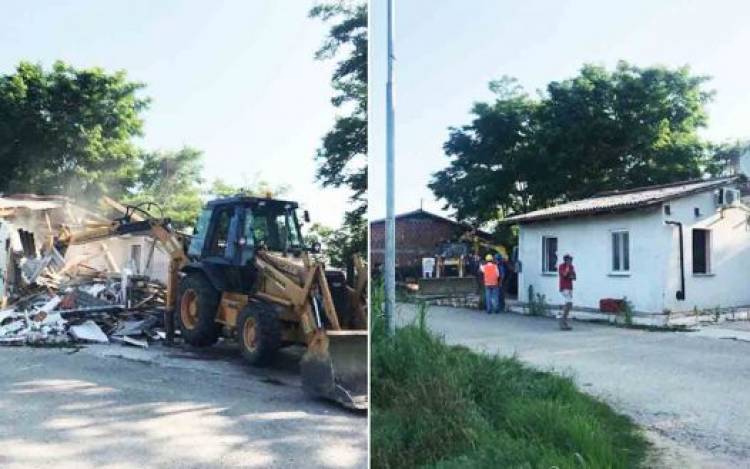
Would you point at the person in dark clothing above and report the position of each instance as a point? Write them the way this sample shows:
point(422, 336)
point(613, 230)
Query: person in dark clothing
point(501, 267)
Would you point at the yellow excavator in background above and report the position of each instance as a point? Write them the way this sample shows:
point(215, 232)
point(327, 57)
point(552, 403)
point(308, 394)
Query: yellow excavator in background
point(248, 275)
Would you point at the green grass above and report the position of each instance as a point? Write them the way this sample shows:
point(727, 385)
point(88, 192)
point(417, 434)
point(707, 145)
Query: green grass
point(441, 406)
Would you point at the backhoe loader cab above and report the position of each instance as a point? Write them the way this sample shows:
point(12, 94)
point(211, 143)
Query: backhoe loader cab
point(231, 229)
point(250, 277)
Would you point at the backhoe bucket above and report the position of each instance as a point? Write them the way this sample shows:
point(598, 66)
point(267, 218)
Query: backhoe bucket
point(335, 367)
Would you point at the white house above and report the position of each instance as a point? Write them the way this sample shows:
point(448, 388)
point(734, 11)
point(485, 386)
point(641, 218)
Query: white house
point(674, 247)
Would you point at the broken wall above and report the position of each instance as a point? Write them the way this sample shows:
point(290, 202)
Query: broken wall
point(122, 251)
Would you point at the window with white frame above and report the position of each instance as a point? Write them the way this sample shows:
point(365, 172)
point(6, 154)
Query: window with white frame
point(620, 251)
point(701, 251)
point(549, 254)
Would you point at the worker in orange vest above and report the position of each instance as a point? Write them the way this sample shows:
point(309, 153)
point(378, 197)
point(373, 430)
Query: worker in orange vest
point(491, 277)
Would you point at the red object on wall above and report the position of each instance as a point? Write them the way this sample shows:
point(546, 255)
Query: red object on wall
point(611, 305)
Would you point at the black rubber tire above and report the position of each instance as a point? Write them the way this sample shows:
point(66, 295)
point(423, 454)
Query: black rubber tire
point(267, 333)
point(206, 330)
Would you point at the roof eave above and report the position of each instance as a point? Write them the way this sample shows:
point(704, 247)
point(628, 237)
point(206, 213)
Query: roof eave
point(521, 220)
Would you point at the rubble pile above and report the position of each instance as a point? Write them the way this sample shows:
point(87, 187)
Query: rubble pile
point(51, 292)
point(106, 308)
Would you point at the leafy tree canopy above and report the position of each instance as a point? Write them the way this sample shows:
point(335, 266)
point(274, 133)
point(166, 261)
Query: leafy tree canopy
point(600, 130)
point(257, 186)
point(172, 179)
point(68, 131)
point(342, 157)
point(335, 244)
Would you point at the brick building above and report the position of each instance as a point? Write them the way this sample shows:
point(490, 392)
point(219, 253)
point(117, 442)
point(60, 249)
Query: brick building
point(418, 235)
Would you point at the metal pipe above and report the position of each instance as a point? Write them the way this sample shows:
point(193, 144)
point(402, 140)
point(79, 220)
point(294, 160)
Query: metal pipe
point(390, 225)
point(681, 292)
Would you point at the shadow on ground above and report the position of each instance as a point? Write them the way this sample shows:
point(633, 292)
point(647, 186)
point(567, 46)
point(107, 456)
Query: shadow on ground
point(202, 408)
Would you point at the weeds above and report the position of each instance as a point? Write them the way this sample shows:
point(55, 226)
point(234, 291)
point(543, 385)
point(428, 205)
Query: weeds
point(537, 305)
point(422, 315)
point(627, 312)
point(435, 405)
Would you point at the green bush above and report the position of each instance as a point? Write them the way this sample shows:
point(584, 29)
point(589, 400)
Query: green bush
point(435, 405)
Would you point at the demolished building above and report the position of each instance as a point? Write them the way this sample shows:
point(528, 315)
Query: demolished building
point(88, 292)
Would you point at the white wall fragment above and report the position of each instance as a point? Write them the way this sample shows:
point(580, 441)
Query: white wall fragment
point(88, 331)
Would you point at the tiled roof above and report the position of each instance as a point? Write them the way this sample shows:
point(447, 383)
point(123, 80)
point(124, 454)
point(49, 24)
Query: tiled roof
point(621, 200)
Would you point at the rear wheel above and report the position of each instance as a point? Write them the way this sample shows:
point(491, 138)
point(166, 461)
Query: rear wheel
point(259, 330)
point(197, 307)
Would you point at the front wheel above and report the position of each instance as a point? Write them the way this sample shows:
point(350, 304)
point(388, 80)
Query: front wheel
point(197, 306)
point(259, 330)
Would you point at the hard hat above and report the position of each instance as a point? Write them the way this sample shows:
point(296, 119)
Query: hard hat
point(488, 257)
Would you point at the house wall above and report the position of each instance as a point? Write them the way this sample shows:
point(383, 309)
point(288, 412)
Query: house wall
point(120, 248)
point(654, 277)
point(726, 284)
point(588, 240)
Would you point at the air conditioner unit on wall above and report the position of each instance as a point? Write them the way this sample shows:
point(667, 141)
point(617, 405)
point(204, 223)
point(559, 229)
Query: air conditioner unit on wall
point(726, 197)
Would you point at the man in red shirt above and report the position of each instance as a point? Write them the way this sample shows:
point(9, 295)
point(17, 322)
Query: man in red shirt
point(567, 274)
point(491, 277)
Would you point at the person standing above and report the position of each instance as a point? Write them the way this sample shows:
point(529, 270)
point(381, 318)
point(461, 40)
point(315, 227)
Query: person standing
point(500, 292)
point(476, 268)
point(491, 277)
point(567, 274)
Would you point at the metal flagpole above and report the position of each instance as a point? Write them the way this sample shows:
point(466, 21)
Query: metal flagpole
point(390, 226)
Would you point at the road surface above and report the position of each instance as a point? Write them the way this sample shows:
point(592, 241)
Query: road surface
point(690, 390)
point(111, 406)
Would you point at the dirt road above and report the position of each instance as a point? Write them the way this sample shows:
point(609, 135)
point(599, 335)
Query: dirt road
point(119, 407)
point(690, 390)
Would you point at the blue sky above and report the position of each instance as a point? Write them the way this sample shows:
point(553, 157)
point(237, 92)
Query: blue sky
point(236, 79)
point(446, 53)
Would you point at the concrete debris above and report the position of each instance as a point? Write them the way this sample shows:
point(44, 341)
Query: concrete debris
point(141, 327)
point(51, 304)
point(88, 332)
point(12, 340)
point(136, 342)
point(94, 289)
point(87, 312)
point(12, 328)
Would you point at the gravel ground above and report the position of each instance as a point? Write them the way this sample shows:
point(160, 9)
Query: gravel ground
point(111, 406)
point(688, 390)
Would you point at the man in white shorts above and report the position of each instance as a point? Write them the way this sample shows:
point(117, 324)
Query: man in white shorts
point(567, 274)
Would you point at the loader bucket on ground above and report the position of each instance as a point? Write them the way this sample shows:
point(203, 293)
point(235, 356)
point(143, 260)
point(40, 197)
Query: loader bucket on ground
point(335, 367)
point(447, 286)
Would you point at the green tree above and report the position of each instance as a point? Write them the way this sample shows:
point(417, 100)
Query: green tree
point(342, 157)
point(334, 243)
point(727, 155)
point(601, 130)
point(172, 179)
point(68, 131)
point(257, 186)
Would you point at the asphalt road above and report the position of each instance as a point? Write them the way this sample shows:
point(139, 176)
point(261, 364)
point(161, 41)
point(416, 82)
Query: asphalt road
point(111, 406)
point(690, 390)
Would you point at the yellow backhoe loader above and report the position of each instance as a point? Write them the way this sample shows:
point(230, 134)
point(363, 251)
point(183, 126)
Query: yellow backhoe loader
point(247, 274)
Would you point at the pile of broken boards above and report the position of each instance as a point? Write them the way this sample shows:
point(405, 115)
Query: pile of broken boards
point(102, 308)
